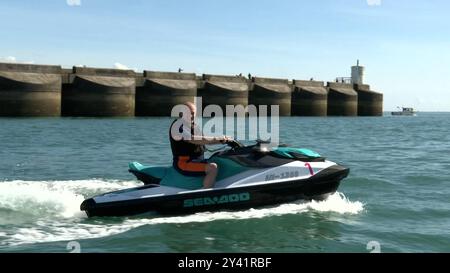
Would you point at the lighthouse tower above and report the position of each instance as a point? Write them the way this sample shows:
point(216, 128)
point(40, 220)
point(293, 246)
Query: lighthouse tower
point(357, 74)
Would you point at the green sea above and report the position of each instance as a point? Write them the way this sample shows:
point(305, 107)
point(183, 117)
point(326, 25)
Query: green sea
point(396, 198)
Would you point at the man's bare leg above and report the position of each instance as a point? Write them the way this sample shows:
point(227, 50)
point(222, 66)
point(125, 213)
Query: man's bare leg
point(211, 174)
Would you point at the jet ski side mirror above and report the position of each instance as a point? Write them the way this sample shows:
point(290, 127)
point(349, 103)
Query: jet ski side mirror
point(264, 146)
point(262, 149)
point(234, 144)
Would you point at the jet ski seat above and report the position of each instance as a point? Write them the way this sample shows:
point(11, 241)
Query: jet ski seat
point(170, 177)
point(165, 176)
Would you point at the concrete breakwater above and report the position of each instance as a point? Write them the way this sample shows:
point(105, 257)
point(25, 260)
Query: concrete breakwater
point(42, 90)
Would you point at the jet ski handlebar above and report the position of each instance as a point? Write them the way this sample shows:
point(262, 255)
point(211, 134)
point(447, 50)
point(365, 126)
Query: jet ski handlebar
point(236, 144)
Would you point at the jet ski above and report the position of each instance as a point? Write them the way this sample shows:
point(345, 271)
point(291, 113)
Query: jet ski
point(248, 177)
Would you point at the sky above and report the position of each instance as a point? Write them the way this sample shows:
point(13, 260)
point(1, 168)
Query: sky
point(403, 44)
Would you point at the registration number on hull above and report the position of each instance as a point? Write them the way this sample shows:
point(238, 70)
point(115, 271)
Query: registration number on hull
point(282, 175)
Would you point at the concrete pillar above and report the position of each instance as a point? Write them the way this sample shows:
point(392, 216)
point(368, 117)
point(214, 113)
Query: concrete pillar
point(224, 90)
point(30, 90)
point(99, 92)
point(161, 91)
point(267, 91)
point(342, 99)
point(370, 103)
point(310, 98)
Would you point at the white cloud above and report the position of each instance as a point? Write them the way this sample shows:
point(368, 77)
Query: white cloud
point(73, 2)
point(373, 2)
point(123, 67)
point(120, 66)
point(9, 59)
point(13, 60)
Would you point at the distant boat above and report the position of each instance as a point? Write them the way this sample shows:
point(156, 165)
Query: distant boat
point(406, 111)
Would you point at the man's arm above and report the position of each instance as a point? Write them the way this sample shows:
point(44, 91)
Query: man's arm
point(207, 140)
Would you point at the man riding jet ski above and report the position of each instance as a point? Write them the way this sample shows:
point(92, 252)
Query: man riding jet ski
point(247, 177)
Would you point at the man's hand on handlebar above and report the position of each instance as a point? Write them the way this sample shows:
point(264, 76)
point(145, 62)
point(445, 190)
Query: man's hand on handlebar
point(226, 139)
